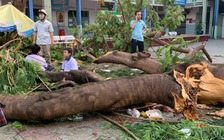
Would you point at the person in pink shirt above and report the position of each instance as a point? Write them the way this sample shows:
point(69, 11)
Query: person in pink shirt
point(36, 58)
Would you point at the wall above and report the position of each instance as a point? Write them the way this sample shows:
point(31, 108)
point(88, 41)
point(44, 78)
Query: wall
point(219, 30)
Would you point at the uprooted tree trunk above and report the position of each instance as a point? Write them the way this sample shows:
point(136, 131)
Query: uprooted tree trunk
point(105, 95)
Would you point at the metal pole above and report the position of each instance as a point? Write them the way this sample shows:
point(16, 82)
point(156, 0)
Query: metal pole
point(216, 16)
point(144, 14)
point(31, 9)
point(204, 15)
point(79, 17)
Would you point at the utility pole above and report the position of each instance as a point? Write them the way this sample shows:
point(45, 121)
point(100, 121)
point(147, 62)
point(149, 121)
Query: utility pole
point(31, 9)
point(216, 16)
point(79, 17)
point(204, 15)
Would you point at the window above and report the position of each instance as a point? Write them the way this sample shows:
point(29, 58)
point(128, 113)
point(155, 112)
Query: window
point(72, 18)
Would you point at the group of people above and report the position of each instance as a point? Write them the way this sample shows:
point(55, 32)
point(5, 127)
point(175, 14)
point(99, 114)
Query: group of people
point(42, 40)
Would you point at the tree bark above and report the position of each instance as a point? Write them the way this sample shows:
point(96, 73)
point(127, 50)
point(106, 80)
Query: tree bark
point(217, 70)
point(78, 76)
point(138, 60)
point(194, 51)
point(207, 55)
point(105, 95)
point(113, 94)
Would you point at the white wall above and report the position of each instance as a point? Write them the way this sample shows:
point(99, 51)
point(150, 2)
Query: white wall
point(193, 14)
point(54, 18)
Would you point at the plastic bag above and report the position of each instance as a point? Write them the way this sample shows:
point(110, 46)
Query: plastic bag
point(3, 120)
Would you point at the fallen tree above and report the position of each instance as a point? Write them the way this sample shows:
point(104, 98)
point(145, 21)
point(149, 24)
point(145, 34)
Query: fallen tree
point(113, 94)
point(106, 95)
point(181, 93)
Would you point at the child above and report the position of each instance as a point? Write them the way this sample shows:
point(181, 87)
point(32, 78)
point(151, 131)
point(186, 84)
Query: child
point(35, 57)
point(69, 63)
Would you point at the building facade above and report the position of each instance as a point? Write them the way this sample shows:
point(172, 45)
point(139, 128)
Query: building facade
point(208, 12)
point(62, 13)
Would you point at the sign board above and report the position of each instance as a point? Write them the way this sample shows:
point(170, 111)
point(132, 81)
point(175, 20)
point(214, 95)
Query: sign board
point(181, 2)
point(60, 5)
point(194, 3)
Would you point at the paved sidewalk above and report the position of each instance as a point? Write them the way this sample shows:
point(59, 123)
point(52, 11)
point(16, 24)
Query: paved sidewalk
point(216, 49)
point(91, 128)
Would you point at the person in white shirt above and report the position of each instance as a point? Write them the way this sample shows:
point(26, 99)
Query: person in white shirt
point(43, 35)
point(69, 63)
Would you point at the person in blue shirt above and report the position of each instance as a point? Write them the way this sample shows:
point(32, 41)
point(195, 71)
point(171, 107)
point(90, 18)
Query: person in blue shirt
point(138, 27)
point(69, 63)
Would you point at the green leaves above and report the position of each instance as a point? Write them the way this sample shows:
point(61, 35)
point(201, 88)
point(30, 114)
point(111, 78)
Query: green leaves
point(17, 75)
point(117, 27)
point(17, 124)
point(173, 17)
point(166, 131)
point(169, 59)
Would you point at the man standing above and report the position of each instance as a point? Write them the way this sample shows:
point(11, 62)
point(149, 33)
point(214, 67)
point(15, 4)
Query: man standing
point(43, 35)
point(138, 27)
